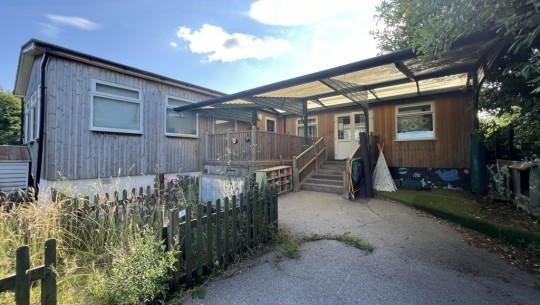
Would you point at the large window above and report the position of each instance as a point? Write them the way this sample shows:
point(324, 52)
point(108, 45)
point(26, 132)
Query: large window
point(222, 126)
point(415, 122)
point(181, 124)
point(116, 108)
point(31, 116)
point(311, 127)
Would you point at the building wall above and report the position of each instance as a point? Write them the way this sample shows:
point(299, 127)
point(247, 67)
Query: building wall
point(453, 127)
point(33, 85)
point(74, 151)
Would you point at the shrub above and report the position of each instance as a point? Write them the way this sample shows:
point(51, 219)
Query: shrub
point(140, 272)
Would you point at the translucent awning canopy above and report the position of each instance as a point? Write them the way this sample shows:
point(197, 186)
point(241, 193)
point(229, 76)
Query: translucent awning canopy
point(384, 78)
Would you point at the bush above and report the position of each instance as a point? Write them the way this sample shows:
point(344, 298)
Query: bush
point(140, 272)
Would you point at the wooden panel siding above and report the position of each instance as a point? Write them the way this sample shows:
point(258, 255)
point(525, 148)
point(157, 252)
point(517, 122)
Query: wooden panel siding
point(78, 153)
point(453, 126)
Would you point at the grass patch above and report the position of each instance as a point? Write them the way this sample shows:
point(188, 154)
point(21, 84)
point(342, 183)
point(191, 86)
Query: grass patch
point(344, 238)
point(285, 246)
point(460, 208)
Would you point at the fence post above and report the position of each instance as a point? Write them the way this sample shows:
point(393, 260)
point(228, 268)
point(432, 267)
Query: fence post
point(296, 176)
point(234, 223)
point(226, 225)
point(200, 256)
point(209, 239)
point(48, 284)
point(219, 253)
point(188, 249)
point(22, 279)
point(254, 144)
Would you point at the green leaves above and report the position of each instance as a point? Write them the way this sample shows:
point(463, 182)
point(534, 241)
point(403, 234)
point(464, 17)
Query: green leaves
point(10, 118)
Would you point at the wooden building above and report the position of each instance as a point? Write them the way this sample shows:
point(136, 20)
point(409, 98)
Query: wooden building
point(88, 120)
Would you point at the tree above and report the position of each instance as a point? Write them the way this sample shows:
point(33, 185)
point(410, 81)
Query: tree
point(512, 87)
point(10, 118)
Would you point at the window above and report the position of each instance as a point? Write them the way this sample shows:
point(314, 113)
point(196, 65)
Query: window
point(359, 125)
point(312, 127)
point(415, 122)
point(116, 108)
point(270, 125)
point(31, 116)
point(182, 124)
point(222, 126)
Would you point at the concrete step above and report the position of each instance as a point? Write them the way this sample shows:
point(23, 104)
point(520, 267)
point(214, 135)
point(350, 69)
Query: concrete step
point(334, 189)
point(324, 181)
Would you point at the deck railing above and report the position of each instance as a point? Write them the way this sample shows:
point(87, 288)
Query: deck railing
point(252, 145)
point(306, 163)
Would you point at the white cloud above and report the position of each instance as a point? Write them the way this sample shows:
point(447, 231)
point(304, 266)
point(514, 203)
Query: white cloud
point(301, 12)
point(222, 46)
point(77, 22)
point(173, 44)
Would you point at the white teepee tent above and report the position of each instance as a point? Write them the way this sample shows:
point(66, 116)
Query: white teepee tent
point(382, 179)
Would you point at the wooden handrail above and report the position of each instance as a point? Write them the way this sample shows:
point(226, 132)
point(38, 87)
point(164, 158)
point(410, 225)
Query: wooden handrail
point(315, 158)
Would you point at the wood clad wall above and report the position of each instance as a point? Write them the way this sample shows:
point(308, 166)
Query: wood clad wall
point(75, 152)
point(453, 126)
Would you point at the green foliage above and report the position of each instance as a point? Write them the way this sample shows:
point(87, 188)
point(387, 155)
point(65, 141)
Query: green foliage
point(10, 118)
point(286, 247)
point(513, 85)
point(140, 272)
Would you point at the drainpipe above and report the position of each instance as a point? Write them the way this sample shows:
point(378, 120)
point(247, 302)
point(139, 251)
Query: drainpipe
point(305, 117)
point(41, 140)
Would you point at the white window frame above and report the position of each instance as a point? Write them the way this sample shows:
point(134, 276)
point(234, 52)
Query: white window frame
point(299, 124)
point(174, 134)
point(266, 124)
point(214, 123)
point(138, 101)
point(432, 112)
point(32, 116)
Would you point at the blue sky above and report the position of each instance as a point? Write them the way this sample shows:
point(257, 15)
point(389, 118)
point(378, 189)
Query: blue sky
point(228, 46)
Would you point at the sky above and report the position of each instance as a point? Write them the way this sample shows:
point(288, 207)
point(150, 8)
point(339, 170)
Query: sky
point(224, 45)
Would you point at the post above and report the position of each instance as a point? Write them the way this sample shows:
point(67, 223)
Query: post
point(305, 119)
point(296, 183)
point(22, 279)
point(346, 179)
point(188, 249)
point(254, 145)
point(48, 284)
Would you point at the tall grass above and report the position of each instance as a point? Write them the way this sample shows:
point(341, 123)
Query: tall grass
point(90, 236)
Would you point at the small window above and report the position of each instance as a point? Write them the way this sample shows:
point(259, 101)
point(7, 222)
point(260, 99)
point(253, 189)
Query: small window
point(312, 127)
point(270, 125)
point(415, 122)
point(181, 124)
point(31, 116)
point(222, 126)
point(116, 108)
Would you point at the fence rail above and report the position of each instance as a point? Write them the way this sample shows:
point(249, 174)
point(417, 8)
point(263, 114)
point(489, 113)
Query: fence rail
point(24, 276)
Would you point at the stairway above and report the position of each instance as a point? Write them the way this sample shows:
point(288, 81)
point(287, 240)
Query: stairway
point(328, 179)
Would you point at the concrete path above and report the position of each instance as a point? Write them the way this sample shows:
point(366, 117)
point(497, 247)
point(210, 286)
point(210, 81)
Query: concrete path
point(416, 261)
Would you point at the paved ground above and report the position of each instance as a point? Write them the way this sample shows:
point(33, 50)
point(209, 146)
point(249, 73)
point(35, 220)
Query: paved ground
point(415, 261)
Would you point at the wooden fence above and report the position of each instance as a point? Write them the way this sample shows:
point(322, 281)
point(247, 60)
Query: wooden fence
point(214, 235)
point(24, 276)
point(252, 145)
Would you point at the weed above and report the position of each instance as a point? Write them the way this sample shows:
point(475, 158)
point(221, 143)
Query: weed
point(344, 238)
point(285, 247)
